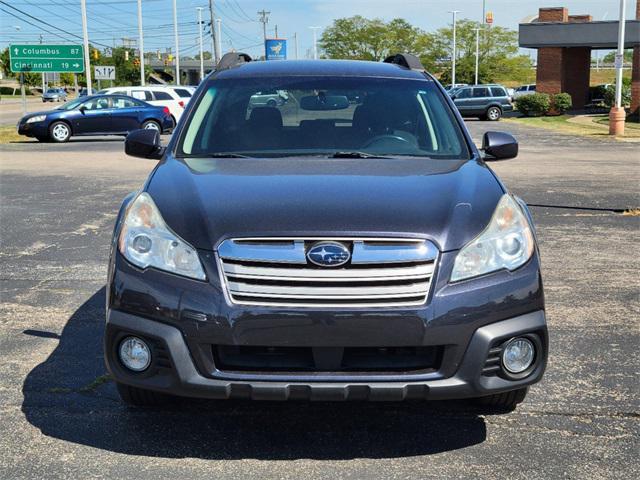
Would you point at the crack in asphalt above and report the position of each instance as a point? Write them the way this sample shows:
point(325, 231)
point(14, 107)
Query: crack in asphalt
point(573, 207)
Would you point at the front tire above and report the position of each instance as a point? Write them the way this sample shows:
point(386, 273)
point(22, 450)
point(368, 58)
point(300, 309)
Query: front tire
point(139, 397)
point(493, 114)
point(59, 132)
point(504, 402)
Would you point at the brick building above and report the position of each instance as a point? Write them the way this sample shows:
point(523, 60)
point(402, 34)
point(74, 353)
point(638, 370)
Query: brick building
point(564, 44)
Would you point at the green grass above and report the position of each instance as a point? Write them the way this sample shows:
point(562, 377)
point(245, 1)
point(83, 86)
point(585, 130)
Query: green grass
point(628, 124)
point(594, 127)
point(9, 134)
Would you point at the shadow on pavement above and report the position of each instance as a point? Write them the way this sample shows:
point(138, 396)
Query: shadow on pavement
point(67, 397)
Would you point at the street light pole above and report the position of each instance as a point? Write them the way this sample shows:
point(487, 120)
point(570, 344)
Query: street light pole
point(617, 113)
point(477, 52)
point(315, 42)
point(85, 41)
point(453, 54)
point(175, 38)
point(140, 42)
point(201, 48)
point(295, 41)
point(219, 36)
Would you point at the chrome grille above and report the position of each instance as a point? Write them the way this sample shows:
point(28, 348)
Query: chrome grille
point(275, 272)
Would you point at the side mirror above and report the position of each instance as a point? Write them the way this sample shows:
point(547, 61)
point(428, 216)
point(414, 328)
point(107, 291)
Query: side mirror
point(144, 144)
point(82, 109)
point(499, 146)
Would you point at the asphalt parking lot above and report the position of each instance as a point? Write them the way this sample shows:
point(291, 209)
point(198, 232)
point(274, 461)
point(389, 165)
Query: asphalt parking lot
point(61, 416)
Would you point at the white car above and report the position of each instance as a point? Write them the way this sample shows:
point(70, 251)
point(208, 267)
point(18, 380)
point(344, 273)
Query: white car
point(158, 95)
point(524, 90)
point(184, 92)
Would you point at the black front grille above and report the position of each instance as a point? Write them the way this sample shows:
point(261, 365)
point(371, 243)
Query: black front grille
point(327, 359)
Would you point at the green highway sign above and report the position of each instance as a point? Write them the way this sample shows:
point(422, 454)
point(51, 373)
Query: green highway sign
point(46, 58)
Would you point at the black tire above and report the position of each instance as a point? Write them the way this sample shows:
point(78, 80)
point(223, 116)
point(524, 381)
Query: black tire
point(505, 402)
point(56, 132)
point(140, 397)
point(151, 125)
point(493, 113)
point(272, 103)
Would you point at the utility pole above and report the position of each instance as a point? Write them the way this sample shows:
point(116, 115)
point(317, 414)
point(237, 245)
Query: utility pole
point(264, 19)
point(85, 38)
point(315, 42)
point(175, 38)
point(201, 52)
point(453, 54)
point(219, 35)
point(140, 43)
point(295, 42)
point(477, 52)
point(617, 114)
point(277, 31)
point(214, 44)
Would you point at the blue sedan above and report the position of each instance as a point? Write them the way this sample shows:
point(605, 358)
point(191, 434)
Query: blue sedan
point(95, 115)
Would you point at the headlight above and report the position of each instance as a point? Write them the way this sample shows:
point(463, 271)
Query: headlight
point(506, 243)
point(37, 118)
point(146, 241)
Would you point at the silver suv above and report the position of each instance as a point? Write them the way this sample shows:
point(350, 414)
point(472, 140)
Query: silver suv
point(487, 102)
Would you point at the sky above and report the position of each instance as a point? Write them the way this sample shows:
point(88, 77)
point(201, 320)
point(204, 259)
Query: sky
point(109, 21)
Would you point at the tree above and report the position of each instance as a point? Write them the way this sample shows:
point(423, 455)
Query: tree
point(360, 38)
point(611, 56)
point(498, 53)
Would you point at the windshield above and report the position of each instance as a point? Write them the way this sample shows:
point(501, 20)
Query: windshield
point(279, 117)
point(52, 90)
point(72, 104)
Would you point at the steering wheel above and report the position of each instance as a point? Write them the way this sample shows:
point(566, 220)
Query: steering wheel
point(382, 138)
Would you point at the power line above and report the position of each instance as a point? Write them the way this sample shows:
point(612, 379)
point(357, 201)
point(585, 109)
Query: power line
point(47, 23)
point(33, 24)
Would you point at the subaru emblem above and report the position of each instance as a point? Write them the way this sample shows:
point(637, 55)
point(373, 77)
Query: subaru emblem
point(328, 254)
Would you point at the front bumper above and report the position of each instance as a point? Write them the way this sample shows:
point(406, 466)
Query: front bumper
point(174, 371)
point(34, 129)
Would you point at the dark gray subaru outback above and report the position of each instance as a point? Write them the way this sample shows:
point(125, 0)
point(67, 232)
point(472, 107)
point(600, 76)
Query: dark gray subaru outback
point(349, 243)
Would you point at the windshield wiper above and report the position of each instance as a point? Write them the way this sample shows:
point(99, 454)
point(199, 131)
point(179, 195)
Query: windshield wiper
point(356, 155)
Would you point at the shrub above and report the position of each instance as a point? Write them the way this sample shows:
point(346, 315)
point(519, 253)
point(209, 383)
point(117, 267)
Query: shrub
point(534, 104)
point(561, 102)
point(610, 94)
point(13, 91)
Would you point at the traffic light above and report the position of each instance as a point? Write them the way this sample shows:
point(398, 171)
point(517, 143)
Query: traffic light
point(96, 54)
point(136, 62)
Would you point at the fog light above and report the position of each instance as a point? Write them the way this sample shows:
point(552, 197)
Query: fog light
point(518, 355)
point(134, 354)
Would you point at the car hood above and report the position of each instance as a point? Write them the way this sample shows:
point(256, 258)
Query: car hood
point(207, 200)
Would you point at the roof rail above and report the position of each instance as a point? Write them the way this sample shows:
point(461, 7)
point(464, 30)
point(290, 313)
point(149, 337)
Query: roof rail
point(406, 60)
point(232, 59)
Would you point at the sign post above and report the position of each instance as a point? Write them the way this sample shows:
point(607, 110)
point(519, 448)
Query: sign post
point(46, 58)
